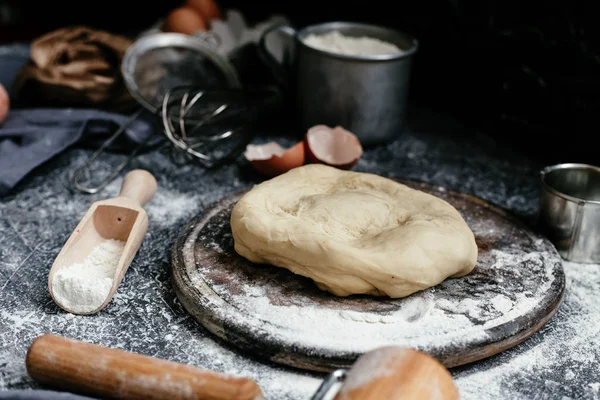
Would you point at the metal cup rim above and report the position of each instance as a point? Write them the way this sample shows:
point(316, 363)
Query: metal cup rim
point(332, 25)
point(544, 172)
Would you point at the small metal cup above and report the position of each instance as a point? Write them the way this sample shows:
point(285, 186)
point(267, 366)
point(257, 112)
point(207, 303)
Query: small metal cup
point(365, 94)
point(570, 210)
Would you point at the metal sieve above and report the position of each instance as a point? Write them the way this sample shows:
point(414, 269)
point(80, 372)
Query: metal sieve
point(197, 94)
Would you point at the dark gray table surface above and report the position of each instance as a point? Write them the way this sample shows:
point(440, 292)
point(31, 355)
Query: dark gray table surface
point(560, 361)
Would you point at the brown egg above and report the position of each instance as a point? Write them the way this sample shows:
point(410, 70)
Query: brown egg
point(208, 9)
point(4, 103)
point(270, 159)
point(335, 147)
point(184, 20)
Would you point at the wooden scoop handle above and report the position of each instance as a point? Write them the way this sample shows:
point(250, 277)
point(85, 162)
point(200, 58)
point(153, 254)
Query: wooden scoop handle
point(116, 374)
point(396, 373)
point(138, 185)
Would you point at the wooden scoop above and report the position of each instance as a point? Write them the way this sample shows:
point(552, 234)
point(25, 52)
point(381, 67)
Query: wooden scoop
point(391, 373)
point(121, 218)
point(109, 373)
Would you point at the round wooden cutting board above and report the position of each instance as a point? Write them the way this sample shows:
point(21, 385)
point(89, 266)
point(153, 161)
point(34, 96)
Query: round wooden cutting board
point(515, 288)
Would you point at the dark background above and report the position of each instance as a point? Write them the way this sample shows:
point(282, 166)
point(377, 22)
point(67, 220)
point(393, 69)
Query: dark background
point(528, 72)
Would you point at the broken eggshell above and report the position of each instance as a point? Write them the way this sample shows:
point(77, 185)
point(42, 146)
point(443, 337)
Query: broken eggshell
point(270, 159)
point(335, 147)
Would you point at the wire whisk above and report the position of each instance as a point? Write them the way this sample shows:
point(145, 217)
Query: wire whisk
point(214, 125)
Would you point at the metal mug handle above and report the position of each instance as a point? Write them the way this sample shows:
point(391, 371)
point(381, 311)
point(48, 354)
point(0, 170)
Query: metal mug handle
point(279, 71)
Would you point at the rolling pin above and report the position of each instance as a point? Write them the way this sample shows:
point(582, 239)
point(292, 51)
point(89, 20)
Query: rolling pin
point(108, 373)
point(391, 373)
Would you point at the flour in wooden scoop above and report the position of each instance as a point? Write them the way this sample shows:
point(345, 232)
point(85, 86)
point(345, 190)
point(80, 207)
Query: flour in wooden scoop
point(83, 287)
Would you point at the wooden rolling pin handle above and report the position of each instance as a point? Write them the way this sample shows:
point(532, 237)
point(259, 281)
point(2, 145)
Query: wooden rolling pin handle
point(116, 374)
point(396, 373)
point(139, 185)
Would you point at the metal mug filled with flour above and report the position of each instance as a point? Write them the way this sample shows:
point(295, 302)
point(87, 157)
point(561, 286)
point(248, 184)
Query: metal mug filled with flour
point(344, 73)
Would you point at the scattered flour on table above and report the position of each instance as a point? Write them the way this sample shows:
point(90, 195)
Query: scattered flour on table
point(565, 348)
point(168, 207)
point(83, 287)
point(194, 349)
point(568, 346)
point(336, 42)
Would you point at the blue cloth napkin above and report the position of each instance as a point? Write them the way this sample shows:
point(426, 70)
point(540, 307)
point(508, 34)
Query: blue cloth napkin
point(39, 395)
point(30, 137)
point(12, 59)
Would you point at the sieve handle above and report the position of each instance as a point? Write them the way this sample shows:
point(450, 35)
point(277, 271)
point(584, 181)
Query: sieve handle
point(278, 69)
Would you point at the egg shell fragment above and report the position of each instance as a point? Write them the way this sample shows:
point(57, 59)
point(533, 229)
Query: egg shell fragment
point(270, 159)
point(336, 147)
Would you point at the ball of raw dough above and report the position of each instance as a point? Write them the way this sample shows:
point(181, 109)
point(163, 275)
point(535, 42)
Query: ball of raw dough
point(352, 232)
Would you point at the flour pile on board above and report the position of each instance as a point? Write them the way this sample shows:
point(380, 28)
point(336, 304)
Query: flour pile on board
point(83, 287)
point(426, 320)
point(421, 324)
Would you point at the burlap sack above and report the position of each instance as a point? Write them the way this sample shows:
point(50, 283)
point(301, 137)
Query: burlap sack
point(75, 67)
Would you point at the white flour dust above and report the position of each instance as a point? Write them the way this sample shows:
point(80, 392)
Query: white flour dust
point(168, 207)
point(315, 327)
point(564, 349)
point(425, 320)
point(560, 362)
point(193, 347)
point(83, 287)
point(336, 42)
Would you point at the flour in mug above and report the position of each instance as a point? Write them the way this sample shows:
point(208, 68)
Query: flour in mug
point(336, 42)
point(83, 287)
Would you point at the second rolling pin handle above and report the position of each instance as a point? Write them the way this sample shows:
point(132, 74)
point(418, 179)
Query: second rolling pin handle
point(391, 373)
